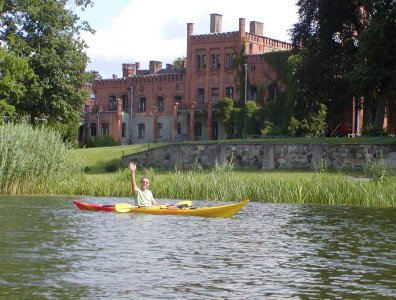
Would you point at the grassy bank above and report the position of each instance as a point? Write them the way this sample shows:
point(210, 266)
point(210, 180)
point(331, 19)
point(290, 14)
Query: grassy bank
point(375, 187)
point(36, 162)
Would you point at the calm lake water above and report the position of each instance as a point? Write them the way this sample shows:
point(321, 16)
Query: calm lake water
point(51, 250)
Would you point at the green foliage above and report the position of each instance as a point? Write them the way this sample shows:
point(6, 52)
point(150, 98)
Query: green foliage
point(101, 141)
point(249, 117)
point(371, 130)
point(271, 130)
point(15, 74)
point(113, 166)
point(226, 107)
point(48, 39)
point(179, 62)
point(35, 161)
point(312, 125)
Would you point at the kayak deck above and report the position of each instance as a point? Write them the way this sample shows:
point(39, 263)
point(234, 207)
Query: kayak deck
point(220, 211)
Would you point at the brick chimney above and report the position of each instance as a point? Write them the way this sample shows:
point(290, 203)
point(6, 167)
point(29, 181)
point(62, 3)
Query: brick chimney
point(256, 28)
point(242, 26)
point(128, 70)
point(215, 23)
point(155, 66)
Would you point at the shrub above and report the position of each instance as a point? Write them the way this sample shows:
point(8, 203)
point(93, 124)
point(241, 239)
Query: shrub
point(101, 141)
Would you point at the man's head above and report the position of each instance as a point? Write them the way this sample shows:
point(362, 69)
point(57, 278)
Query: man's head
point(144, 183)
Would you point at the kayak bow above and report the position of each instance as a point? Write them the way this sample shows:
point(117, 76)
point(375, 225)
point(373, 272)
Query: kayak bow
point(220, 211)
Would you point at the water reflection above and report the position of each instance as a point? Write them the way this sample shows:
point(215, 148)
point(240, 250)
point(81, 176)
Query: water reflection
point(49, 249)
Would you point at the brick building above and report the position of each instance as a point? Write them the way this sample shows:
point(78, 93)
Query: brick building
point(171, 104)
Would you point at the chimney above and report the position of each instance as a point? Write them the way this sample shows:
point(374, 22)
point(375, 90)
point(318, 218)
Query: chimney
point(155, 66)
point(215, 23)
point(256, 28)
point(128, 70)
point(190, 29)
point(96, 75)
point(114, 76)
point(137, 65)
point(242, 26)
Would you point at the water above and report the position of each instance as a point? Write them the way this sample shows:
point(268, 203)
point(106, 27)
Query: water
point(51, 250)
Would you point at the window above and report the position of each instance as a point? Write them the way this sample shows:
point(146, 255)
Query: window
point(201, 61)
point(200, 95)
point(105, 128)
point(160, 103)
point(229, 92)
point(215, 95)
point(112, 103)
point(159, 130)
point(178, 128)
point(141, 130)
point(253, 93)
point(215, 61)
point(177, 99)
point(92, 129)
point(272, 92)
point(230, 60)
point(197, 129)
point(142, 104)
point(124, 101)
point(123, 130)
point(215, 131)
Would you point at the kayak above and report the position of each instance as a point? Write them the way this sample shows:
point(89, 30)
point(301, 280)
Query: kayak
point(220, 211)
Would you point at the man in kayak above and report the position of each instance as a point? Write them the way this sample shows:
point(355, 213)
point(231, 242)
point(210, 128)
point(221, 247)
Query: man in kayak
point(143, 196)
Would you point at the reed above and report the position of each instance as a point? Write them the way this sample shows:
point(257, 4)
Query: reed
point(275, 186)
point(35, 161)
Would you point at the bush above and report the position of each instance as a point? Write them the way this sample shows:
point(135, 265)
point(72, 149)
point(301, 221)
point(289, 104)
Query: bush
point(113, 166)
point(101, 141)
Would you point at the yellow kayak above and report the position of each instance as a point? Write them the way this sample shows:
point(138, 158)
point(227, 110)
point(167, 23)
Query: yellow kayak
point(220, 211)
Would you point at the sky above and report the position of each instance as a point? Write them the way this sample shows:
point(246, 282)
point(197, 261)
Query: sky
point(129, 31)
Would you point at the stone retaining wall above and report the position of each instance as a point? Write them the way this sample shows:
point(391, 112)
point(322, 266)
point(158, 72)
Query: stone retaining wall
point(263, 156)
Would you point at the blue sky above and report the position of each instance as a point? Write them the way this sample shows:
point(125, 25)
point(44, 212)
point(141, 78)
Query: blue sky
point(129, 31)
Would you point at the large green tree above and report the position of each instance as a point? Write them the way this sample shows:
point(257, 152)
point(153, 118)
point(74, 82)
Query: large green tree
point(48, 35)
point(374, 75)
point(325, 40)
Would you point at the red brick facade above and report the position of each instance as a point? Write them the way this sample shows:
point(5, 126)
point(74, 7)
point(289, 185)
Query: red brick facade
point(170, 104)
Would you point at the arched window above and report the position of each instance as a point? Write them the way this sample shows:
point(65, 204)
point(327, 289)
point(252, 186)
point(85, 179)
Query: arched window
point(141, 129)
point(123, 130)
point(142, 104)
point(159, 130)
point(112, 103)
point(177, 99)
point(124, 102)
point(105, 128)
point(92, 129)
point(159, 102)
point(197, 129)
point(215, 131)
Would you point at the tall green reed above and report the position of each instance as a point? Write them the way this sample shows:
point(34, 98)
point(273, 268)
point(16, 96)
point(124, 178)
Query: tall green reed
point(35, 161)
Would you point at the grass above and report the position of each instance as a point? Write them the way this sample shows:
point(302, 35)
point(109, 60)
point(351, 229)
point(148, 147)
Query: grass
point(224, 183)
point(50, 168)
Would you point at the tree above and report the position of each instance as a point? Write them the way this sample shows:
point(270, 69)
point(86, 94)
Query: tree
point(326, 30)
point(374, 75)
point(47, 34)
point(14, 75)
point(179, 62)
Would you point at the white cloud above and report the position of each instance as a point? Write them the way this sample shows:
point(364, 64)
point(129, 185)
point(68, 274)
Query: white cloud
point(147, 30)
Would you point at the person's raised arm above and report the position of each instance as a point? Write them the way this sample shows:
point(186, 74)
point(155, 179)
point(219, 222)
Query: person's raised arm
point(134, 186)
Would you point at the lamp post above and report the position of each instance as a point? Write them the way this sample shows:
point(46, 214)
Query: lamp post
point(246, 69)
point(155, 124)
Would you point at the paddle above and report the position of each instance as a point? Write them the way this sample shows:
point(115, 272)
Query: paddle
point(126, 207)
